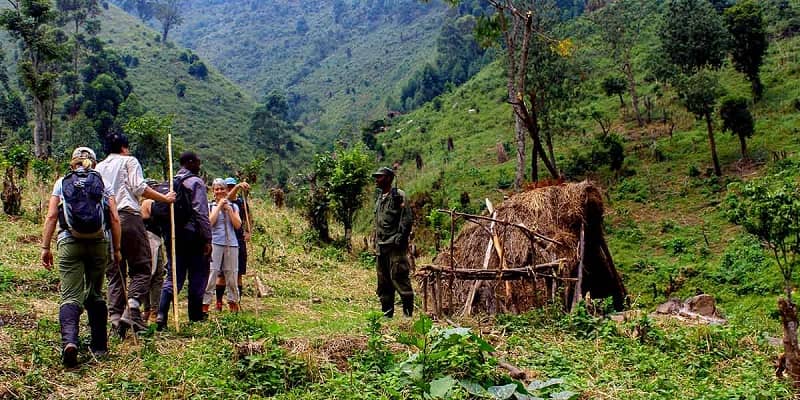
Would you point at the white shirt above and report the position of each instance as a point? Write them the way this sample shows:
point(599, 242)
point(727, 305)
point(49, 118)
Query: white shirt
point(123, 175)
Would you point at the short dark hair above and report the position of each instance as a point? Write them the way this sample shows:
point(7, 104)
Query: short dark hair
point(116, 142)
point(187, 157)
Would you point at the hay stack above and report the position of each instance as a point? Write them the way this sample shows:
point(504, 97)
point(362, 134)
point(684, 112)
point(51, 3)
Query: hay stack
point(557, 212)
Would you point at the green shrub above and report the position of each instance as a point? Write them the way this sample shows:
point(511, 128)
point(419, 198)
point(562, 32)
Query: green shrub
point(746, 269)
point(271, 372)
point(6, 278)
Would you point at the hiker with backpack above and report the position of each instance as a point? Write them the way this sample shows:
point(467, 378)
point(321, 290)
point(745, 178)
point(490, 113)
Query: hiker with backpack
point(86, 215)
point(122, 173)
point(192, 240)
point(158, 259)
point(225, 220)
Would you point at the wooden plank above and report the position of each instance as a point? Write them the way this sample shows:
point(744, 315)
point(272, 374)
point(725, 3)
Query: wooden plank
point(577, 292)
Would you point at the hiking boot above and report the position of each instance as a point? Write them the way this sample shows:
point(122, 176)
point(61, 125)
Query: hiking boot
point(387, 307)
point(408, 306)
point(219, 306)
point(233, 307)
point(98, 319)
point(161, 322)
point(132, 317)
point(69, 356)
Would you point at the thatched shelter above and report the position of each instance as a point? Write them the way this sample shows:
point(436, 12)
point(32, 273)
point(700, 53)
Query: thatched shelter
point(545, 236)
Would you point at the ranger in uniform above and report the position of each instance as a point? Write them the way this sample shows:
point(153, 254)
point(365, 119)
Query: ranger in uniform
point(393, 221)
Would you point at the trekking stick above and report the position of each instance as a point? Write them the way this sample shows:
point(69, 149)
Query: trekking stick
point(172, 235)
point(247, 220)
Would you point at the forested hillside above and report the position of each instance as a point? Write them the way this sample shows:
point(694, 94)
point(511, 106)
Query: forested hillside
point(685, 114)
point(337, 62)
point(211, 115)
point(208, 113)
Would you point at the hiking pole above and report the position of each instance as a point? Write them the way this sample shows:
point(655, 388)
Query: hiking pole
point(247, 220)
point(172, 236)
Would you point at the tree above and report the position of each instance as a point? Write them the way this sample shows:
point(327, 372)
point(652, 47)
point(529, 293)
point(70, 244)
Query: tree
point(749, 41)
point(318, 202)
point(699, 94)
point(517, 24)
point(693, 35)
point(621, 25)
point(770, 210)
point(615, 85)
point(14, 161)
point(148, 135)
point(737, 119)
point(169, 14)
point(79, 14)
point(143, 8)
point(350, 175)
point(41, 47)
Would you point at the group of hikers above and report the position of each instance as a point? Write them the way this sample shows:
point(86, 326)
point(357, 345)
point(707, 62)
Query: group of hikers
point(110, 222)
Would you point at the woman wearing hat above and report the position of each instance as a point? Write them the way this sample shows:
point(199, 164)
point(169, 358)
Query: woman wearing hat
point(86, 215)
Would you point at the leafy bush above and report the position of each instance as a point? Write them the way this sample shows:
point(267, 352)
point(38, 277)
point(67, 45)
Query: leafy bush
point(271, 372)
point(6, 278)
point(742, 268)
point(632, 189)
point(198, 70)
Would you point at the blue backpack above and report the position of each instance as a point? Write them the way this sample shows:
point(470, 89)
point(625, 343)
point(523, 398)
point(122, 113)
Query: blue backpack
point(82, 210)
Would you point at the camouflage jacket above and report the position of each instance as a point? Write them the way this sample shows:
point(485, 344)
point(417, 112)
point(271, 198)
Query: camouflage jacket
point(393, 219)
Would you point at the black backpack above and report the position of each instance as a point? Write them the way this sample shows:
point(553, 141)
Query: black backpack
point(82, 211)
point(159, 212)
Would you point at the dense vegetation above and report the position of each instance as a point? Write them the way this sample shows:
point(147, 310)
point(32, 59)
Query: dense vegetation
point(696, 147)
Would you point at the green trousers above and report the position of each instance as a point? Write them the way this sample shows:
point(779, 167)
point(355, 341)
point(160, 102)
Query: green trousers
point(393, 274)
point(82, 266)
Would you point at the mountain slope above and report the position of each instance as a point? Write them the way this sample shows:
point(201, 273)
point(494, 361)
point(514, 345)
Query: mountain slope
point(211, 118)
point(340, 59)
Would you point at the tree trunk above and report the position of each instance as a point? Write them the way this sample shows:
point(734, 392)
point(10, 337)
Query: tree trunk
point(628, 70)
point(40, 144)
point(712, 143)
point(788, 313)
point(621, 100)
point(348, 233)
point(11, 195)
point(519, 135)
point(743, 145)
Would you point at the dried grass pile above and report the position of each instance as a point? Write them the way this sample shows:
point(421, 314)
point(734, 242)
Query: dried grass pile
point(557, 212)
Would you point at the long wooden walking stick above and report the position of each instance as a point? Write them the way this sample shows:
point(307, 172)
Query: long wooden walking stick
point(172, 236)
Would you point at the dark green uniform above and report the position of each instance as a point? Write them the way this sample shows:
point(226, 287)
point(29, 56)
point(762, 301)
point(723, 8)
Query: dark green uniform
point(393, 221)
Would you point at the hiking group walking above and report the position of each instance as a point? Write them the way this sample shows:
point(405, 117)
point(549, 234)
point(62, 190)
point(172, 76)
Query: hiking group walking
point(108, 221)
point(112, 222)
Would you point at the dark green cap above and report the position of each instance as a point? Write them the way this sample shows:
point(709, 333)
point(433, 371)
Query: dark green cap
point(384, 171)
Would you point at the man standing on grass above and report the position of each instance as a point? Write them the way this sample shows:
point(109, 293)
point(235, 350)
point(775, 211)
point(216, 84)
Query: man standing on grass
point(192, 241)
point(393, 221)
point(123, 175)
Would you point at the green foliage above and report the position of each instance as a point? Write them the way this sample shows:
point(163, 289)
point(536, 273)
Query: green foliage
point(693, 35)
point(700, 92)
point(743, 268)
point(271, 371)
point(615, 86)
point(749, 41)
point(737, 119)
point(198, 70)
point(606, 149)
point(349, 178)
point(769, 209)
point(6, 278)
point(148, 135)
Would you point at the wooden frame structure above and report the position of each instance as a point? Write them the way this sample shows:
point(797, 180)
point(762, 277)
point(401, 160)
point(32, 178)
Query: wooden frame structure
point(438, 281)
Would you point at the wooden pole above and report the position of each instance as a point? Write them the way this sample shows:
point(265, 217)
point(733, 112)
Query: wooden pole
point(577, 293)
point(172, 236)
